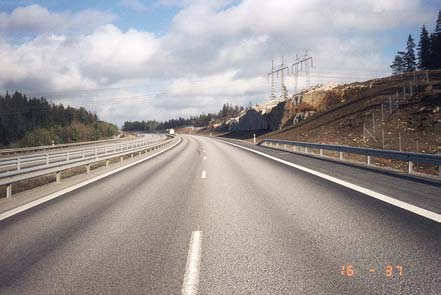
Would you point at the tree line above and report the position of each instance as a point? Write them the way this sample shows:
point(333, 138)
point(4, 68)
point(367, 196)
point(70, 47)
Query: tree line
point(428, 52)
point(227, 110)
point(26, 121)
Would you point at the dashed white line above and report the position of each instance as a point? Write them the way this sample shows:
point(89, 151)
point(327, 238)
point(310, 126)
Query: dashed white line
point(192, 269)
point(390, 200)
point(204, 174)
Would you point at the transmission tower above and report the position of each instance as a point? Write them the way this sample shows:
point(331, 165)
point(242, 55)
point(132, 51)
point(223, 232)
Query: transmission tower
point(275, 70)
point(272, 80)
point(305, 62)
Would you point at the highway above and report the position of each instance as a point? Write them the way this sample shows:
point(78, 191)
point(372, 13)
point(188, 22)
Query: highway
point(207, 217)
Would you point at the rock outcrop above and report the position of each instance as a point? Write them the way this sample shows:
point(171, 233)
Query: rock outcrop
point(279, 113)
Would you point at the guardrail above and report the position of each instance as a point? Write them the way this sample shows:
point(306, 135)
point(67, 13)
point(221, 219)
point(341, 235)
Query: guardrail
point(408, 157)
point(13, 169)
point(10, 151)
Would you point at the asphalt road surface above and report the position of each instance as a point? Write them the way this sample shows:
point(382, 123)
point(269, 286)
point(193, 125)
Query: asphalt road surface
point(210, 218)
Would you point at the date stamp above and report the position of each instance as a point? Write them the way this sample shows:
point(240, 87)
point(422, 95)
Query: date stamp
point(389, 270)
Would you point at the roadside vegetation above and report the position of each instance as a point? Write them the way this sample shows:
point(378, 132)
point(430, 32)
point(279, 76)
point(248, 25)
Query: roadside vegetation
point(35, 121)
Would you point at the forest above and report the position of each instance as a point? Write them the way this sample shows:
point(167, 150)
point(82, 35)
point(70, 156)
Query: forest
point(428, 55)
point(34, 121)
point(228, 110)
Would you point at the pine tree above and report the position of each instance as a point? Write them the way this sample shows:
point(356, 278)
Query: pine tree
point(399, 64)
point(424, 47)
point(409, 57)
point(435, 58)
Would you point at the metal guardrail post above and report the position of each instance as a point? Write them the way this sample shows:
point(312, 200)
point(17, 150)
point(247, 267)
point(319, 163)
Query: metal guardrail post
point(9, 191)
point(88, 169)
point(58, 177)
point(368, 160)
point(121, 159)
point(67, 156)
point(47, 159)
point(18, 164)
point(321, 152)
point(341, 155)
point(306, 149)
point(410, 165)
point(107, 163)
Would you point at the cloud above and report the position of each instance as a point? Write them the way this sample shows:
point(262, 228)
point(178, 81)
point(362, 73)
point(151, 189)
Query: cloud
point(215, 51)
point(34, 19)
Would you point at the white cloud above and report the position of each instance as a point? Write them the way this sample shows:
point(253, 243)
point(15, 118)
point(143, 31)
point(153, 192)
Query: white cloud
point(215, 51)
point(36, 19)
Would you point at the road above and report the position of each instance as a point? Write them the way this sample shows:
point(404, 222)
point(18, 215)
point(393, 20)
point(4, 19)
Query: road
point(258, 227)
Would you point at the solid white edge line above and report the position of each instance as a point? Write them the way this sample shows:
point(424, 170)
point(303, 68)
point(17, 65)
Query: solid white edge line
point(403, 205)
point(49, 197)
point(191, 276)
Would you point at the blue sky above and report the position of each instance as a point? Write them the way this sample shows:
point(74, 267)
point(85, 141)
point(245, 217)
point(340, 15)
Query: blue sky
point(167, 58)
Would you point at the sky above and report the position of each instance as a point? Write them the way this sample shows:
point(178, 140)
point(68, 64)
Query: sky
point(160, 59)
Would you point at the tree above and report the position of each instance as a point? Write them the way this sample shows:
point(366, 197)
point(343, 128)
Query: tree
point(409, 57)
point(435, 58)
point(399, 65)
point(424, 48)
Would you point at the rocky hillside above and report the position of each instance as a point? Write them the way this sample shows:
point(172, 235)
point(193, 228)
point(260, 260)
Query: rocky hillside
point(278, 113)
point(401, 110)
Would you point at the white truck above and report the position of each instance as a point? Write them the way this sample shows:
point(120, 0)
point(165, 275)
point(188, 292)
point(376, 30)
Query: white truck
point(171, 131)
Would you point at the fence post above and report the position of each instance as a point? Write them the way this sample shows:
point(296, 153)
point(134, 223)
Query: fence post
point(88, 169)
point(107, 163)
point(364, 131)
point(382, 136)
point(399, 140)
point(390, 105)
point(382, 113)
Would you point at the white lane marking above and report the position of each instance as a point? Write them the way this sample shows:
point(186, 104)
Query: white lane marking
point(205, 158)
point(204, 174)
point(192, 269)
point(47, 198)
point(403, 205)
